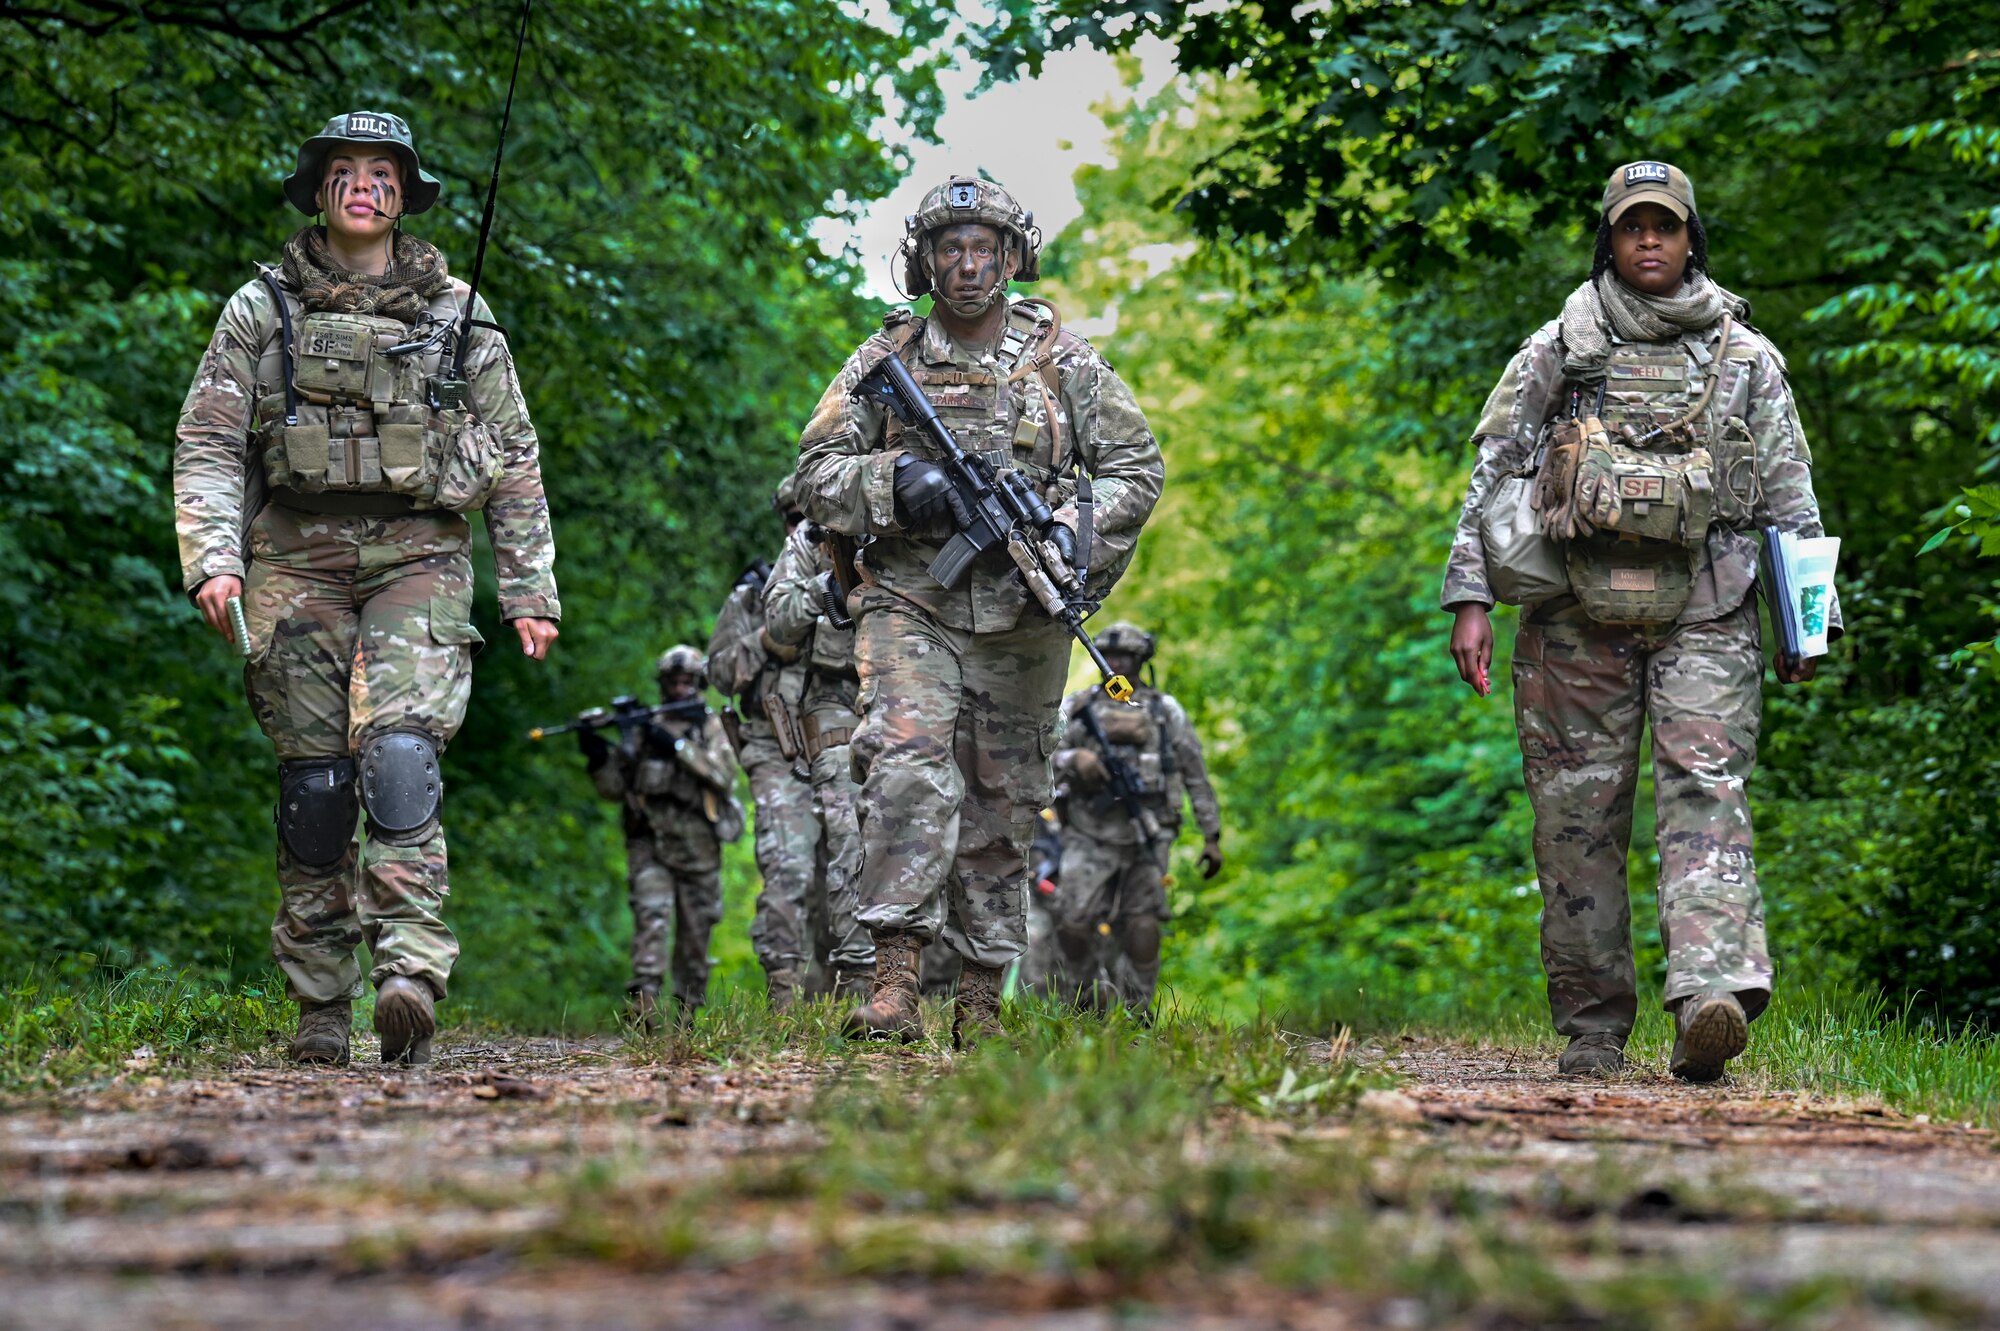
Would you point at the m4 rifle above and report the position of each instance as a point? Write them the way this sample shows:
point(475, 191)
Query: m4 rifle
point(628, 714)
point(1123, 782)
point(1004, 512)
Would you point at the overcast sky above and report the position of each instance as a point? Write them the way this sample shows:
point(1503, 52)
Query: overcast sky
point(1030, 135)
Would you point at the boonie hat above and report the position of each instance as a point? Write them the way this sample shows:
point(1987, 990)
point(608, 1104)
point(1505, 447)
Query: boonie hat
point(420, 189)
point(1648, 182)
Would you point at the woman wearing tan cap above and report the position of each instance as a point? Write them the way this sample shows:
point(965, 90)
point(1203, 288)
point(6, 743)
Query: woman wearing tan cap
point(1627, 454)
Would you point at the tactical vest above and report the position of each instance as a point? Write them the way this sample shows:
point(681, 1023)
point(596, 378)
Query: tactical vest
point(1681, 458)
point(662, 776)
point(357, 417)
point(1013, 430)
point(1138, 738)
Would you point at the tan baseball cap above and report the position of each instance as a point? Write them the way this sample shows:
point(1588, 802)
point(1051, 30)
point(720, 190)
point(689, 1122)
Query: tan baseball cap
point(1648, 182)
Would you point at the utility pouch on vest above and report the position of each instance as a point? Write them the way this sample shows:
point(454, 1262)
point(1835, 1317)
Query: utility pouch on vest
point(470, 461)
point(338, 358)
point(1640, 568)
point(1523, 564)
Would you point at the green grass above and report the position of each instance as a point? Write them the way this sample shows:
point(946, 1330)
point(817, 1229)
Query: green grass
point(57, 1028)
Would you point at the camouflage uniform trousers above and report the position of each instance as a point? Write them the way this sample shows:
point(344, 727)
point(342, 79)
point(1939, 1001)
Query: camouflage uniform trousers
point(788, 853)
point(848, 944)
point(1122, 887)
point(1583, 693)
point(953, 758)
point(358, 626)
point(675, 881)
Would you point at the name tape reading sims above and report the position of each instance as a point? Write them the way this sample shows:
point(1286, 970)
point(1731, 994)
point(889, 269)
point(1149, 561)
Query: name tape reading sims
point(1639, 172)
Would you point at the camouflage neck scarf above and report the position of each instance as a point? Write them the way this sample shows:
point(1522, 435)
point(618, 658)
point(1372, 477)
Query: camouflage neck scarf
point(1606, 307)
point(416, 273)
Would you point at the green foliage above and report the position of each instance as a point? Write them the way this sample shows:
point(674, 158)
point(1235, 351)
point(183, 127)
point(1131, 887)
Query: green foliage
point(673, 321)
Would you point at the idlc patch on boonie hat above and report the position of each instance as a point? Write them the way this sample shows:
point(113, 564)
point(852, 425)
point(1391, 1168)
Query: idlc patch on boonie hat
point(1640, 172)
point(360, 124)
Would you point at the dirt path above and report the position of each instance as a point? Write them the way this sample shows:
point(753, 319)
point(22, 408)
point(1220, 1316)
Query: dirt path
point(361, 1198)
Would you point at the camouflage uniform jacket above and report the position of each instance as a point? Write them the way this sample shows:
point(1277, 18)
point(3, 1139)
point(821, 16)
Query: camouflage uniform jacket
point(744, 659)
point(1751, 424)
point(668, 772)
point(795, 617)
point(219, 480)
point(847, 459)
point(1169, 765)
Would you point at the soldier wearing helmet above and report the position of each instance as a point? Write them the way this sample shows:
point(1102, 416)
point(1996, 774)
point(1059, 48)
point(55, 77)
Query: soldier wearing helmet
point(673, 771)
point(326, 461)
point(804, 611)
point(1112, 886)
point(767, 680)
point(961, 684)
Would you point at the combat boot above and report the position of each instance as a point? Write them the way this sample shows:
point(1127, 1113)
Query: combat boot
point(323, 1031)
point(1598, 1054)
point(784, 986)
point(891, 1012)
point(975, 1009)
point(405, 1018)
point(642, 1006)
point(1710, 1029)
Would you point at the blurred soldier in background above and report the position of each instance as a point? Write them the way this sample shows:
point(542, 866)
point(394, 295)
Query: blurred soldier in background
point(805, 611)
point(1127, 767)
point(767, 680)
point(674, 771)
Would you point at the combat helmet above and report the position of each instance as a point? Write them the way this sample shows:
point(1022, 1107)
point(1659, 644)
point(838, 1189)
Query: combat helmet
point(959, 200)
point(1128, 639)
point(420, 188)
point(785, 499)
point(682, 659)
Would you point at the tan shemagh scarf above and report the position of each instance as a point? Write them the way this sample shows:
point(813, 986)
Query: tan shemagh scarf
point(1605, 307)
point(416, 273)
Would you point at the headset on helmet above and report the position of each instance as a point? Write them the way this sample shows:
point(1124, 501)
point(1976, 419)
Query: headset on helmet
point(959, 200)
point(1128, 639)
point(682, 659)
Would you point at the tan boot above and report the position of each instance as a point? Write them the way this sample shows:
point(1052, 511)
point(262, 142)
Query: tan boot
point(323, 1031)
point(1709, 1030)
point(405, 1018)
point(1597, 1054)
point(975, 1010)
point(891, 1012)
point(784, 987)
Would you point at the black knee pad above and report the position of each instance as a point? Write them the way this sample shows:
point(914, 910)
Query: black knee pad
point(401, 786)
point(316, 809)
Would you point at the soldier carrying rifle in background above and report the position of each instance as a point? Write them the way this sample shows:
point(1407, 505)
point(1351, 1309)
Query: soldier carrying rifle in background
point(1127, 768)
point(674, 770)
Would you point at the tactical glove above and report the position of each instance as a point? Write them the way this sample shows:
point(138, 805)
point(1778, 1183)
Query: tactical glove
point(1211, 857)
point(1088, 770)
point(926, 502)
point(1064, 540)
point(1596, 504)
point(593, 746)
point(1555, 484)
